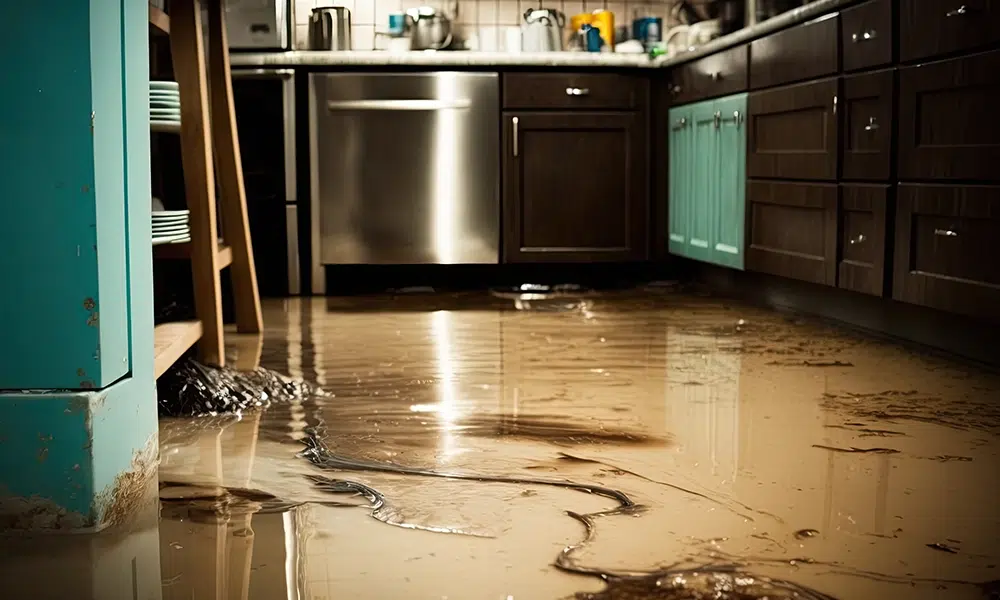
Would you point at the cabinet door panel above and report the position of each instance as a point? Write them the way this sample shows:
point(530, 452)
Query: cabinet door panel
point(862, 238)
point(681, 156)
point(729, 211)
point(947, 123)
point(866, 35)
point(867, 126)
point(792, 132)
point(946, 240)
point(933, 27)
point(792, 230)
point(575, 187)
point(704, 180)
point(802, 52)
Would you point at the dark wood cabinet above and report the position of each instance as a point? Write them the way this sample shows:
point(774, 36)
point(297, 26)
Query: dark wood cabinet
point(947, 119)
point(793, 132)
point(574, 91)
point(867, 125)
point(804, 52)
point(792, 230)
point(866, 39)
point(862, 255)
point(946, 248)
point(710, 77)
point(574, 187)
point(930, 28)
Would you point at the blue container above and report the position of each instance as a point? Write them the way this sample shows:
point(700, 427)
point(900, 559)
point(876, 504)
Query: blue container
point(397, 24)
point(592, 41)
point(648, 30)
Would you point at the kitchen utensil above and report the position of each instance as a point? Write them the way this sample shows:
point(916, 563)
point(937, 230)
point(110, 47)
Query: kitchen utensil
point(590, 38)
point(648, 30)
point(542, 30)
point(429, 30)
point(164, 85)
point(399, 44)
point(397, 24)
point(604, 21)
point(330, 28)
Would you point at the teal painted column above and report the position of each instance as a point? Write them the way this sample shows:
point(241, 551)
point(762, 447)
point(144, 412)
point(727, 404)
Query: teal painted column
point(78, 429)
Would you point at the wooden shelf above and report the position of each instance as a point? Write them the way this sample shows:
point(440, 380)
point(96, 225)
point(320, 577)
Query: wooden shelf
point(171, 341)
point(183, 251)
point(159, 20)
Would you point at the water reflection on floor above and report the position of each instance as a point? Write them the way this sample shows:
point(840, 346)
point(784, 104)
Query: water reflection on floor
point(789, 449)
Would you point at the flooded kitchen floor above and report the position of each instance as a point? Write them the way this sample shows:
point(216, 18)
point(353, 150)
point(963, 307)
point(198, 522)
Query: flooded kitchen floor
point(642, 444)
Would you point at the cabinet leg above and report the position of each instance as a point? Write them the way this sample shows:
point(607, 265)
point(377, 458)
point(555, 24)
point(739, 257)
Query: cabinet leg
point(187, 51)
point(235, 223)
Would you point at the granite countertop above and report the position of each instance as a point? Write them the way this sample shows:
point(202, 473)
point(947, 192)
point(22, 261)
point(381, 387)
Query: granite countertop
point(312, 58)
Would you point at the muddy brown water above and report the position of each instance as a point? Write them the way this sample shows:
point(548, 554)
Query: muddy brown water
point(612, 446)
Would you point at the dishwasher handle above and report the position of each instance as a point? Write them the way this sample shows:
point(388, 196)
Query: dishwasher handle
point(398, 105)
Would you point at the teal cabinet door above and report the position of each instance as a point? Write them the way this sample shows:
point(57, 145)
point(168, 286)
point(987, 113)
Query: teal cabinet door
point(729, 203)
point(704, 181)
point(681, 153)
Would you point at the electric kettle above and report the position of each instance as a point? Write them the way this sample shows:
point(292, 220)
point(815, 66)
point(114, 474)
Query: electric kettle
point(542, 30)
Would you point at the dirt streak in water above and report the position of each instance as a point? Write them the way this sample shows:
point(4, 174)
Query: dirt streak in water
point(721, 582)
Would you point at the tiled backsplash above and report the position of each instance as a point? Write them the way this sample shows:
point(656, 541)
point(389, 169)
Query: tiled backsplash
point(370, 16)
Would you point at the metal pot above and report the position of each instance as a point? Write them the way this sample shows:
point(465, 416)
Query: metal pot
point(429, 30)
point(330, 28)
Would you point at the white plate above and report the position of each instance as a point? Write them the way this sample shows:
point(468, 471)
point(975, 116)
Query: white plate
point(169, 219)
point(159, 224)
point(163, 85)
point(164, 97)
point(174, 239)
point(161, 233)
point(164, 104)
point(165, 114)
point(170, 213)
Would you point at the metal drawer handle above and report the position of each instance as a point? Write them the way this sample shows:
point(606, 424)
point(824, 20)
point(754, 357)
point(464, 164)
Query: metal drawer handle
point(864, 36)
point(946, 232)
point(958, 12)
point(736, 119)
point(717, 117)
point(872, 125)
point(680, 124)
point(861, 238)
point(675, 90)
point(573, 91)
point(514, 121)
point(398, 104)
point(834, 105)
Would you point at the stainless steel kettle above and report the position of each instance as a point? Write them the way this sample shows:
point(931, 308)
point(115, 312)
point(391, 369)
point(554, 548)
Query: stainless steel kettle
point(429, 29)
point(330, 28)
point(542, 30)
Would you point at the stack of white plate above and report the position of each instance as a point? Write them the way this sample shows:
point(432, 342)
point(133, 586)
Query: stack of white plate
point(164, 105)
point(171, 227)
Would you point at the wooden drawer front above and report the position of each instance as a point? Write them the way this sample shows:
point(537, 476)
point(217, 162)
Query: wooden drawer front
point(934, 27)
point(862, 238)
point(948, 127)
point(792, 132)
point(866, 126)
point(716, 75)
point(588, 91)
point(946, 239)
point(792, 230)
point(804, 52)
point(866, 35)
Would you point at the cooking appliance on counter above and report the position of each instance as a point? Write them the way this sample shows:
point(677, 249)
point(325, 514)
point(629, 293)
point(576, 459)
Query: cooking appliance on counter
point(259, 24)
point(330, 28)
point(542, 30)
point(404, 169)
point(264, 102)
point(429, 29)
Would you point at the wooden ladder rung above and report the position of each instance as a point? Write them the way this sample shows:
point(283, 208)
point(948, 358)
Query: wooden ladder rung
point(183, 251)
point(159, 20)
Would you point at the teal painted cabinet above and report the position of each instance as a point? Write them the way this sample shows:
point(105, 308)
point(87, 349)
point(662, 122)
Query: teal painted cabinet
point(62, 195)
point(707, 185)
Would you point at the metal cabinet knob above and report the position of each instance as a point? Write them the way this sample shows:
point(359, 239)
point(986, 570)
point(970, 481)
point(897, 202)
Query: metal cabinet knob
point(872, 125)
point(958, 12)
point(946, 232)
point(574, 91)
point(864, 36)
point(717, 118)
point(680, 124)
point(675, 90)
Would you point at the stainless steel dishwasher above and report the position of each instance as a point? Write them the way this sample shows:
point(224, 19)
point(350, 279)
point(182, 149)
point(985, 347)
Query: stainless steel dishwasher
point(405, 168)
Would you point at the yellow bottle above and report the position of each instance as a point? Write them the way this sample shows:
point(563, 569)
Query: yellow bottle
point(604, 21)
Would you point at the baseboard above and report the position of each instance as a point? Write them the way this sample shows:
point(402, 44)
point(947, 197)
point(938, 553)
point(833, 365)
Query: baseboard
point(934, 330)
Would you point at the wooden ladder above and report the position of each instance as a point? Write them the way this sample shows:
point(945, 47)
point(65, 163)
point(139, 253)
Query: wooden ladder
point(207, 121)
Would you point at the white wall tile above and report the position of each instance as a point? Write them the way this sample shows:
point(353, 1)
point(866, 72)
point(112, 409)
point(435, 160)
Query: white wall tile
point(364, 12)
point(508, 12)
point(622, 16)
point(383, 8)
point(362, 37)
point(301, 41)
point(572, 7)
point(303, 8)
